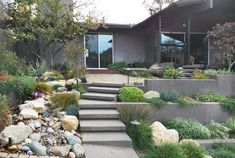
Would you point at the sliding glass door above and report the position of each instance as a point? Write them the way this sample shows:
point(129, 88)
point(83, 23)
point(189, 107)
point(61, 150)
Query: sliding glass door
point(100, 50)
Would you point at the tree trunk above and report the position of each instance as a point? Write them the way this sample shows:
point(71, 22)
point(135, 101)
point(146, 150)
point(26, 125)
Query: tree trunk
point(231, 66)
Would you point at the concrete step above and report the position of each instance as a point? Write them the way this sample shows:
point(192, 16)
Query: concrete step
point(100, 84)
point(99, 96)
point(103, 90)
point(189, 70)
point(101, 125)
point(107, 138)
point(96, 104)
point(195, 66)
point(98, 114)
point(101, 151)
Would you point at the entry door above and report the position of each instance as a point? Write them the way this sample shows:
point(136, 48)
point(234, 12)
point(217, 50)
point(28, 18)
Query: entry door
point(100, 50)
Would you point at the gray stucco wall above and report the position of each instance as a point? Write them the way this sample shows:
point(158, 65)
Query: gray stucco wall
point(129, 46)
point(150, 54)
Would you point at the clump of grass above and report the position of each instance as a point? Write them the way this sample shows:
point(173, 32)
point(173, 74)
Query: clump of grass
point(158, 102)
point(80, 88)
point(222, 151)
point(44, 88)
point(62, 100)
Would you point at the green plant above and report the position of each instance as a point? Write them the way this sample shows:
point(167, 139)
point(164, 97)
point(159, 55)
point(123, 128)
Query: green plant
point(156, 102)
point(170, 95)
point(140, 64)
point(218, 130)
point(72, 110)
point(44, 88)
point(5, 117)
point(222, 151)
point(4, 76)
point(228, 104)
point(80, 88)
point(40, 68)
point(141, 136)
point(199, 75)
point(165, 151)
point(212, 72)
point(189, 129)
point(118, 66)
point(210, 97)
point(169, 72)
point(22, 86)
point(230, 123)
point(3, 102)
point(56, 86)
point(187, 101)
point(62, 100)
point(143, 74)
point(130, 113)
point(193, 150)
point(131, 94)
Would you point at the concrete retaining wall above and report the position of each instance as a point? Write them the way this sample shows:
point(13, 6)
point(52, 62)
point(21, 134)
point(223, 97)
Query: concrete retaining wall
point(203, 112)
point(224, 84)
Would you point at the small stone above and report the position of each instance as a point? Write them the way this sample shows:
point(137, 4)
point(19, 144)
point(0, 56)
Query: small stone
point(57, 126)
point(27, 141)
point(61, 89)
point(38, 148)
point(70, 123)
point(72, 155)
point(50, 130)
point(29, 113)
point(32, 126)
point(35, 137)
point(25, 148)
point(47, 119)
point(78, 150)
point(51, 123)
point(37, 124)
point(29, 152)
point(61, 151)
point(14, 148)
point(50, 141)
point(73, 140)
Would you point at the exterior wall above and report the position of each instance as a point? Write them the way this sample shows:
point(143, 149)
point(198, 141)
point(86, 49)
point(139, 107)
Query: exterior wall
point(150, 54)
point(129, 46)
point(226, 84)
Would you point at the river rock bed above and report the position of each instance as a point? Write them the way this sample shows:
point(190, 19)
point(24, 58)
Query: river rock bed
point(37, 131)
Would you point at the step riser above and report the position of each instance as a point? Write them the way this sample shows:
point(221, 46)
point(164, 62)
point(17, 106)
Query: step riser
point(107, 85)
point(103, 91)
point(98, 98)
point(97, 106)
point(102, 129)
point(111, 143)
point(106, 116)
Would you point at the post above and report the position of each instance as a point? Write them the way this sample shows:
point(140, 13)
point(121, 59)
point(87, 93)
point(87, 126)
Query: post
point(158, 27)
point(188, 42)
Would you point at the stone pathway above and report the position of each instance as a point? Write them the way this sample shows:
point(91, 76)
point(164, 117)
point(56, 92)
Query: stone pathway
point(103, 133)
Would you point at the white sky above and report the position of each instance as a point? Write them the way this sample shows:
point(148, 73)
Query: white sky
point(122, 11)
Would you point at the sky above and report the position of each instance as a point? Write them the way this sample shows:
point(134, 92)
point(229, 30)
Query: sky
point(122, 11)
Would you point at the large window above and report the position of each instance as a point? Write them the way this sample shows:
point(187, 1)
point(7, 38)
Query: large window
point(100, 50)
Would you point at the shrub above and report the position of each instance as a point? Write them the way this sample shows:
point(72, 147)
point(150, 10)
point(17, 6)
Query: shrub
point(193, 150)
point(5, 117)
point(40, 68)
point(222, 151)
point(165, 151)
point(131, 94)
point(141, 136)
point(62, 100)
point(21, 86)
point(53, 75)
point(186, 101)
point(143, 74)
point(156, 101)
point(118, 66)
point(80, 88)
point(212, 72)
point(140, 64)
point(228, 104)
point(44, 88)
point(72, 110)
point(170, 95)
point(9, 63)
point(199, 75)
point(130, 113)
point(211, 97)
point(189, 129)
point(218, 130)
point(230, 123)
point(56, 86)
point(3, 102)
point(4, 76)
point(169, 72)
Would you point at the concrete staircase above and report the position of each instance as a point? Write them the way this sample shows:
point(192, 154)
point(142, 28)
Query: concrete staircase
point(189, 69)
point(103, 133)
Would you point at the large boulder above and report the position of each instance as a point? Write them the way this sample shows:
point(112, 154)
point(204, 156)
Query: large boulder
point(156, 69)
point(29, 113)
point(17, 133)
point(162, 135)
point(70, 123)
point(38, 105)
point(152, 94)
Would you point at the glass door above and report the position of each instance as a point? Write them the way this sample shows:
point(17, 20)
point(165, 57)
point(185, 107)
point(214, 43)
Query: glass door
point(100, 50)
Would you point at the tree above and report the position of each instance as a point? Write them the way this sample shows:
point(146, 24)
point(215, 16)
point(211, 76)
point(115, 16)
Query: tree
point(45, 26)
point(156, 5)
point(223, 37)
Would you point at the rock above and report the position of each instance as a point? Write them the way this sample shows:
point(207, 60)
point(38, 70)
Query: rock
point(189, 141)
point(14, 148)
point(50, 130)
point(25, 148)
point(35, 137)
point(152, 94)
point(17, 133)
point(73, 140)
point(37, 124)
point(72, 155)
point(61, 114)
point(24, 106)
point(50, 141)
point(61, 151)
point(61, 89)
point(60, 82)
point(29, 113)
point(162, 135)
point(29, 152)
point(28, 141)
point(38, 105)
point(38, 148)
point(78, 150)
point(57, 126)
point(207, 156)
point(70, 123)
point(70, 82)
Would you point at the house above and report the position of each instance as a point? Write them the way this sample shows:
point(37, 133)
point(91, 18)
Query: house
point(172, 35)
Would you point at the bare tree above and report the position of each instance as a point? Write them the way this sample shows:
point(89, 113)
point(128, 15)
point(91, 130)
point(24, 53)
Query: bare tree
point(156, 5)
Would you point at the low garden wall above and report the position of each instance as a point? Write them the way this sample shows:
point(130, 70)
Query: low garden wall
point(203, 112)
point(224, 84)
